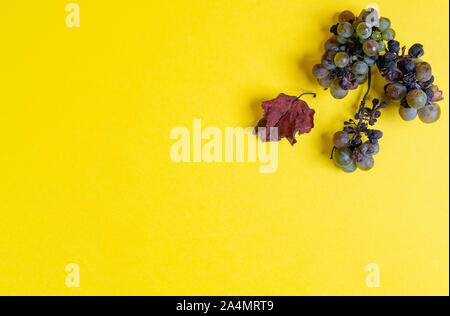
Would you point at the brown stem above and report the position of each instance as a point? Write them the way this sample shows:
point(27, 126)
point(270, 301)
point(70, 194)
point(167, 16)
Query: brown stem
point(307, 93)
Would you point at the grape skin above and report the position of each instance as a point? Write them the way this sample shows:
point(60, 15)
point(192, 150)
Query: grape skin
point(407, 114)
point(336, 90)
point(388, 35)
point(430, 113)
point(423, 72)
point(370, 48)
point(416, 98)
point(366, 163)
point(345, 30)
point(385, 23)
point(341, 140)
point(350, 168)
point(325, 82)
point(363, 31)
point(396, 91)
point(320, 71)
point(346, 16)
point(343, 156)
point(341, 59)
point(360, 68)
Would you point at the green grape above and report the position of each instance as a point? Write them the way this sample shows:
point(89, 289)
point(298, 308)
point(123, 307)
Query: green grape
point(342, 40)
point(320, 71)
point(385, 23)
point(366, 163)
point(341, 59)
point(325, 82)
point(362, 78)
point(396, 91)
point(350, 168)
point(332, 44)
point(345, 30)
point(343, 156)
point(423, 72)
point(336, 90)
point(369, 61)
point(381, 46)
point(388, 35)
point(416, 98)
point(360, 68)
point(363, 31)
point(341, 139)
point(430, 113)
point(370, 48)
point(346, 16)
point(376, 36)
point(407, 114)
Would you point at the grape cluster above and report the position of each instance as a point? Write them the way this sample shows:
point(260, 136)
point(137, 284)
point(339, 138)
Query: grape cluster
point(350, 152)
point(410, 83)
point(354, 48)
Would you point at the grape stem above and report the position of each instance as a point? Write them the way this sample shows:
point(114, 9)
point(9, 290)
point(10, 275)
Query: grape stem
point(307, 93)
point(362, 105)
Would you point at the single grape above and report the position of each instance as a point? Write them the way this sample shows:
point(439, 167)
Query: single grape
point(388, 35)
point(430, 113)
point(350, 168)
point(336, 90)
point(396, 91)
point(376, 36)
point(385, 23)
point(407, 114)
point(366, 163)
point(374, 149)
point(346, 16)
point(343, 156)
point(325, 82)
point(341, 139)
point(328, 60)
point(369, 61)
point(332, 44)
point(423, 72)
point(416, 98)
point(320, 71)
point(345, 30)
point(381, 46)
point(363, 31)
point(362, 78)
point(360, 68)
point(370, 48)
point(341, 59)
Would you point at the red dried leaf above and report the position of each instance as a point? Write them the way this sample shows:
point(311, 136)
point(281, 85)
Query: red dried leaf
point(289, 114)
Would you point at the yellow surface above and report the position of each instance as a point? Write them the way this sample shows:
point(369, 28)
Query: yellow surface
point(86, 175)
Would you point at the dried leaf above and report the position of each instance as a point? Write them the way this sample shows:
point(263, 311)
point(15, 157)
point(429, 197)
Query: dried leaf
point(289, 114)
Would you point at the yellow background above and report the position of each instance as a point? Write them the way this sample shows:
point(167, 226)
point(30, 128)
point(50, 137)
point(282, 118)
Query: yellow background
point(86, 175)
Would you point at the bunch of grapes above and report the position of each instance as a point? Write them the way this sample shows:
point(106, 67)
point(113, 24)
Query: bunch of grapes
point(410, 83)
point(354, 48)
point(350, 152)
